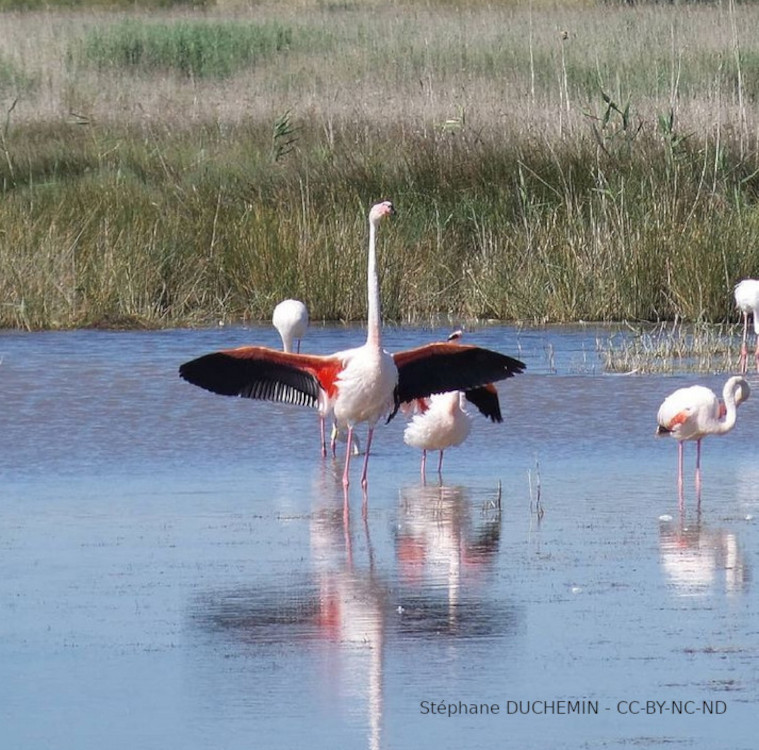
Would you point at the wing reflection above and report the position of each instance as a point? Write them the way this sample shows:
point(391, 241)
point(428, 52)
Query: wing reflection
point(698, 560)
point(346, 608)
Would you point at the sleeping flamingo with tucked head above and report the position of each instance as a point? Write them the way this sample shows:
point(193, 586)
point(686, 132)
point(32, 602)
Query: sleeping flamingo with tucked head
point(290, 318)
point(747, 300)
point(695, 412)
point(442, 421)
point(362, 384)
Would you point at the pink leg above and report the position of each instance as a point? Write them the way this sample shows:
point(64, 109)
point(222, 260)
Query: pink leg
point(323, 436)
point(698, 468)
point(756, 354)
point(440, 464)
point(346, 471)
point(424, 465)
point(680, 470)
point(364, 480)
point(742, 362)
point(333, 442)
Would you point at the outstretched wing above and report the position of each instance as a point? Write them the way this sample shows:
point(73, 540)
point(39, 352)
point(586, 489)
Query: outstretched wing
point(441, 367)
point(262, 373)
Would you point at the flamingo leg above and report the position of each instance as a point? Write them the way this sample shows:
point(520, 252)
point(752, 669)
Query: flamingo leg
point(323, 436)
point(440, 464)
point(756, 354)
point(698, 467)
point(424, 465)
point(680, 470)
point(346, 470)
point(742, 362)
point(364, 480)
point(333, 441)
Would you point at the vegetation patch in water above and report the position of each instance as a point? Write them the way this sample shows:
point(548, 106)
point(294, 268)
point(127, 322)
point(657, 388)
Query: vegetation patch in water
point(673, 347)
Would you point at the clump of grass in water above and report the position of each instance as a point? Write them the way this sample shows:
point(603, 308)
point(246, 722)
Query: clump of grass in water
point(673, 347)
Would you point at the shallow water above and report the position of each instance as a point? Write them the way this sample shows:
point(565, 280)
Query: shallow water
point(178, 571)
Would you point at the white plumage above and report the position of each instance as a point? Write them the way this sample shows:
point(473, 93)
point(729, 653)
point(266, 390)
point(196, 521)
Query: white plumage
point(290, 318)
point(747, 300)
point(693, 413)
point(443, 424)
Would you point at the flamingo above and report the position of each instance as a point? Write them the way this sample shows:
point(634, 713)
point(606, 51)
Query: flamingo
point(747, 300)
point(695, 412)
point(341, 436)
point(290, 318)
point(362, 384)
point(443, 422)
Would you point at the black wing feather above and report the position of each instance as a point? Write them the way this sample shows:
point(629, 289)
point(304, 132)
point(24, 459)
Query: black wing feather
point(451, 369)
point(261, 379)
point(486, 400)
point(459, 370)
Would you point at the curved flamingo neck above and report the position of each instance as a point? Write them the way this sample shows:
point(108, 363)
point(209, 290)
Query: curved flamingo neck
point(731, 409)
point(287, 341)
point(373, 325)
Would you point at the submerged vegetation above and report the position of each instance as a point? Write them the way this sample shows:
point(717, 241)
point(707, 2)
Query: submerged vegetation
point(180, 163)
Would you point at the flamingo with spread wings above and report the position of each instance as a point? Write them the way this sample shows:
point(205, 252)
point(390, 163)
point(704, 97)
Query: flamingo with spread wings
point(363, 384)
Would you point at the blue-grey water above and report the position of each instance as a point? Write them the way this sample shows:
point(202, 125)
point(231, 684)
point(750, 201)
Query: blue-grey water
point(178, 571)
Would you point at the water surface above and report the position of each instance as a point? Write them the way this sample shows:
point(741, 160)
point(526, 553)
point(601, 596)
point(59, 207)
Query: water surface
point(179, 571)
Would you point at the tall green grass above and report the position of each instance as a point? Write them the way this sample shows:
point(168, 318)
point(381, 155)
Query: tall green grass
point(195, 48)
point(181, 168)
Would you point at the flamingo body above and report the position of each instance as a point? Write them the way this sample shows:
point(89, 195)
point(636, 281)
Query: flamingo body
point(747, 300)
point(442, 420)
point(445, 423)
point(695, 412)
point(290, 318)
point(361, 384)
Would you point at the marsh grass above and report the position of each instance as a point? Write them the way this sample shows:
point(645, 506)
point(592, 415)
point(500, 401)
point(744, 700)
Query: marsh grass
point(673, 347)
point(190, 48)
point(548, 164)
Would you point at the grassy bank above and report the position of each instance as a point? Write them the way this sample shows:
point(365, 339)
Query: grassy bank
point(549, 163)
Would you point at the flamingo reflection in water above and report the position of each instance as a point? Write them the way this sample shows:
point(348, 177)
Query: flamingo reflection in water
point(442, 538)
point(697, 560)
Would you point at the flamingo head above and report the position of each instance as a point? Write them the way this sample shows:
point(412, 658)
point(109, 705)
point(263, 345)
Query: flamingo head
point(742, 390)
point(456, 335)
point(380, 210)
